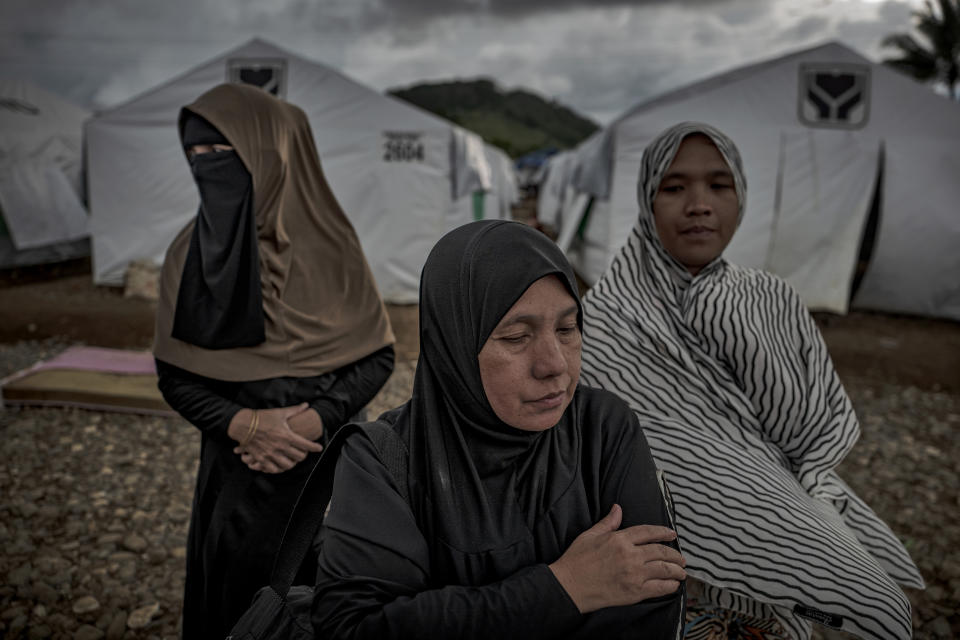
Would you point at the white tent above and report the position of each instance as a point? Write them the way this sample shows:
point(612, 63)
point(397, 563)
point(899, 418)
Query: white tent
point(555, 188)
point(42, 218)
point(558, 197)
point(504, 191)
point(827, 137)
point(492, 191)
point(403, 176)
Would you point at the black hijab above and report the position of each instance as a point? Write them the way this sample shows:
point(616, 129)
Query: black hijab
point(219, 303)
point(478, 484)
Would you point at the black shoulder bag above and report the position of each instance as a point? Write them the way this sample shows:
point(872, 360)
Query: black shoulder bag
point(280, 611)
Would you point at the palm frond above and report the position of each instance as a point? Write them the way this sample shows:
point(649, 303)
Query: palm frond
point(939, 57)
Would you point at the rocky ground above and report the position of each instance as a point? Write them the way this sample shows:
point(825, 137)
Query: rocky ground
point(94, 506)
point(94, 515)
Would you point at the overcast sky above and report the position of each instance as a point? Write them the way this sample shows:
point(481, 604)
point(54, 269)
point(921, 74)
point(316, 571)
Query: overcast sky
point(598, 57)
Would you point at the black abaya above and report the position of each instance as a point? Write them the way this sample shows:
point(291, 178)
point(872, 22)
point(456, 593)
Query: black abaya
point(376, 579)
point(238, 515)
point(490, 505)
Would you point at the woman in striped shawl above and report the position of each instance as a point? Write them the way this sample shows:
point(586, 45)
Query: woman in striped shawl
point(743, 411)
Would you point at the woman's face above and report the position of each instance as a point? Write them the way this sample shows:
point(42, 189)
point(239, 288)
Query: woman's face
point(696, 207)
point(530, 364)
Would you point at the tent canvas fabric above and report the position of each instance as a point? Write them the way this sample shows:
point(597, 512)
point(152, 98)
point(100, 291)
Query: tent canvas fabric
point(42, 217)
point(402, 175)
point(825, 135)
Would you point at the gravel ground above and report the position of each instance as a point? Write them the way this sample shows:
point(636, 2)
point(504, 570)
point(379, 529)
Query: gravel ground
point(94, 514)
point(94, 506)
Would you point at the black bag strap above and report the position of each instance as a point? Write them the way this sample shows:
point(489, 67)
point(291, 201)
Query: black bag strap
point(311, 505)
point(392, 451)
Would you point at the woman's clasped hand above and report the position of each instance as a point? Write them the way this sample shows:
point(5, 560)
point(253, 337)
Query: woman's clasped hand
point(280, 438)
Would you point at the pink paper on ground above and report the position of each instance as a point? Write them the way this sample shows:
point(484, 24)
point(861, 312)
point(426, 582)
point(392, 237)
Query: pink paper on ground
point(95, 378)
point(101, 359)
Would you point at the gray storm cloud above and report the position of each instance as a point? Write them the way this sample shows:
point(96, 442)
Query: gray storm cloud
point(597, 56)
point(520, 7)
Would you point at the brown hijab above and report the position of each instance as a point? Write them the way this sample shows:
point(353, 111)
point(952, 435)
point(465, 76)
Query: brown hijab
point(321, 308)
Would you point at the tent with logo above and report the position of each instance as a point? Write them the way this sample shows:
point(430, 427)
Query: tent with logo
point(852, 173)
point(42, 217)
point(403, 176)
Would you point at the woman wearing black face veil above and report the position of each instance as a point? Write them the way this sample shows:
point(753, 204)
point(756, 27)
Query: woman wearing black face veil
point(270, 335)
point(534, 509)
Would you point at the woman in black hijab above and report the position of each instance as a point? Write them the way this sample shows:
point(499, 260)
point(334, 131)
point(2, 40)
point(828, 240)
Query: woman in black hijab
point(533, 508)
point(270, 334)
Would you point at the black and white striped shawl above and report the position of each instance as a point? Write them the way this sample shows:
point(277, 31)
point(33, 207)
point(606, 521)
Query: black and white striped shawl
point(745, 413)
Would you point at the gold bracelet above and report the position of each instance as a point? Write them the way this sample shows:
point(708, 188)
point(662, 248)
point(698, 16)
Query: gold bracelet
point(254, 423)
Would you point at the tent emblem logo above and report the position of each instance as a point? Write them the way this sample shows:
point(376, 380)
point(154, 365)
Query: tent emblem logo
point(270, 74)
point(834, 95)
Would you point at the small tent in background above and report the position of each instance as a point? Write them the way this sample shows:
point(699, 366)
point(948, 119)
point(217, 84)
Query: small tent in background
point(491, 188)
point(42, 217)
point(403, 176)
point(839, 153)
point(557, 191)
point(504, 191)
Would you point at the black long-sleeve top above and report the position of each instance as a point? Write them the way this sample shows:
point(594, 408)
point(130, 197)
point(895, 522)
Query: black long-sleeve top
point(238, 514)
point(210, 404)
point(374, 578)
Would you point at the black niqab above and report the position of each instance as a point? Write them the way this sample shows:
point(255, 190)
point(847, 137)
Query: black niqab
point(219, 303)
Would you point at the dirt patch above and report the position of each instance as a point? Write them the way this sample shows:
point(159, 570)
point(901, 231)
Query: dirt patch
point(905, 351)
point(72, 307)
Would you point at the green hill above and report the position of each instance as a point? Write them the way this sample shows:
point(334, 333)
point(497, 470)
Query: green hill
point(517, 121)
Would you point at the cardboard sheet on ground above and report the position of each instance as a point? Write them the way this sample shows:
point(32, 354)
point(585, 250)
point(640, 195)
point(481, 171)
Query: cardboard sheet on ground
point(91, 378)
